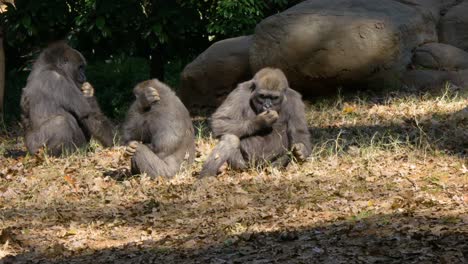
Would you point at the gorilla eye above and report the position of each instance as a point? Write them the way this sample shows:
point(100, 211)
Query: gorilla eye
point(274, 97)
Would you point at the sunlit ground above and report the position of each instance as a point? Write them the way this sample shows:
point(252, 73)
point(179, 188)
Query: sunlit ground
point(387, 182)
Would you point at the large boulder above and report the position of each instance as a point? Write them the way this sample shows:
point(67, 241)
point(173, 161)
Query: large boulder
point(207, 80)
point(454, 26)
point(322, 44)
point(421, 80)
point(431, 8)
point(425, 79)
point(440, 57)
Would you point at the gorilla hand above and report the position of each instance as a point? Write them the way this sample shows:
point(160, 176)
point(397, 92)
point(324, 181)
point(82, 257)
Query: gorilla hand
point(87, 89)
point(267, 118)
point(299, 151)
point(131, 148)
point(151, 95)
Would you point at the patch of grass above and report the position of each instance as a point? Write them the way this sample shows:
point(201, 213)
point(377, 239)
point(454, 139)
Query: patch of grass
point(395, 163)
point(362, 215)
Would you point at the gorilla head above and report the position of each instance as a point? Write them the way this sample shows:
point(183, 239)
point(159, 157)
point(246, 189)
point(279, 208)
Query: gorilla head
point(70, 62)
point(269, 86)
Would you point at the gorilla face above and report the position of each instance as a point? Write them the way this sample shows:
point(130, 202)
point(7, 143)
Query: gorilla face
point(74, 66)
point(265, 99)
point(80, 74)
point(268, 88)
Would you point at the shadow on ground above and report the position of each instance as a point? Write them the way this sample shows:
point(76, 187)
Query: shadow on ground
point(377, 239)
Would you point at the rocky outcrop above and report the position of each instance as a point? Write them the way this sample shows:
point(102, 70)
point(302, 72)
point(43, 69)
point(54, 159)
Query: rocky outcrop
point(440, 56)
point(321, 44)
point(213, 74)
point(453, 28)
point(325, 44)
point(422, 80)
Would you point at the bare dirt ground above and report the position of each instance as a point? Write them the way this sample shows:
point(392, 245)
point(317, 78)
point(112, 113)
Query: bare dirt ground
point(387, 183)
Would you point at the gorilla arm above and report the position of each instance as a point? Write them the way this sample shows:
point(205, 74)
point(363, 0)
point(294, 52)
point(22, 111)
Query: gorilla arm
point(145, 96)
point(100, 127)
point(236, 117)
point(97, 124)
point(73, 101)
point(298, 132)
point(162, 157)
point(132, 125)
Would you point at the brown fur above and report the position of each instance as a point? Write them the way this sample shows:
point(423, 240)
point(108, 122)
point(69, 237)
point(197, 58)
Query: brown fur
point(271, 79)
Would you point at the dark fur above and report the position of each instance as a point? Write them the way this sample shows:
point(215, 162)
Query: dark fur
point(245, 138)
point(55, 113)
point(165, 130)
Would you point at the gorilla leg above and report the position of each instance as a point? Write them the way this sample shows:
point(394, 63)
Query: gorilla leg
point(146, 161)
point(237, 161)
point(58, 134)
point(227, 150)
point(281, 161)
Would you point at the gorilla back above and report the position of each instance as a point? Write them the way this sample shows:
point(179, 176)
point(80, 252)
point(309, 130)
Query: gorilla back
point(158, 131)
point(56, 114)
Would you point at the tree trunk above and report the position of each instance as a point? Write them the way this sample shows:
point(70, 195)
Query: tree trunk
point(2, 74)
point(157, 63)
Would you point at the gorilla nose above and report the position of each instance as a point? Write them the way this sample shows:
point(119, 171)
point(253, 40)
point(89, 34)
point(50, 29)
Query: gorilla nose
point(267, 105)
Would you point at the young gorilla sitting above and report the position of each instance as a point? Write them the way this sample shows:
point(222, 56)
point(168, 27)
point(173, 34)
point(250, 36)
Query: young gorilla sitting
point(258, 123)
point(160, 121)
point(59, 110)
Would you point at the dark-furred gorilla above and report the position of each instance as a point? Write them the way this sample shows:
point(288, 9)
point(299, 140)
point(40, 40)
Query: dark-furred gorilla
point(58, 111)
point(259, 123)
point(162, 125)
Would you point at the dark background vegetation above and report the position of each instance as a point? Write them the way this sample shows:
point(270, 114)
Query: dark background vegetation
point(124, 41)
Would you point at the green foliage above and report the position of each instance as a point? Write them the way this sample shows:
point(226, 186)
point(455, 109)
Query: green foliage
point(172, 71)
point(15, 81)
point(135, 28)
point(239, 17)
point(114, 81)
point(32, 22)
point(104, 23)
point(163, 35)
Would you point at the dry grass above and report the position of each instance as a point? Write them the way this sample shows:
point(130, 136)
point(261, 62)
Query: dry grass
point(387, 181)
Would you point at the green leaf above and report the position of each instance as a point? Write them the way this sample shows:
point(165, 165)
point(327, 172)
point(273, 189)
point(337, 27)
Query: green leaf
point(100, 22)
point(157, 28)
point(26, 21)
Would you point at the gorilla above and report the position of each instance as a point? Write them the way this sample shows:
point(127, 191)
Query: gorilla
point(158, 131)
point(259, 123)
point(59, 110)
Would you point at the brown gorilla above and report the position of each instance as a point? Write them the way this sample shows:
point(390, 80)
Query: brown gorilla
point(160, 121)
point(259, 122)
point(58, 111)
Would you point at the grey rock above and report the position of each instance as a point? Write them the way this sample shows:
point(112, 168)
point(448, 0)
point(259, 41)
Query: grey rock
point(207, 80)
point(454, 26)
point(321, 44)
point(440, 57)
